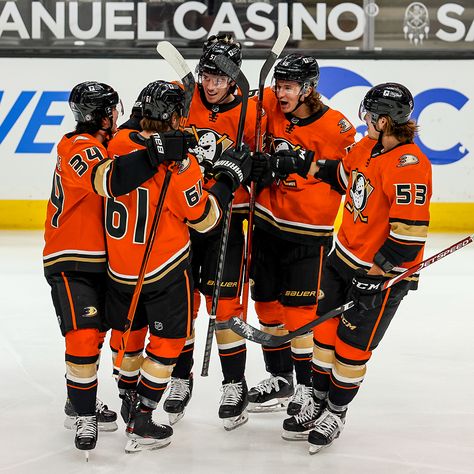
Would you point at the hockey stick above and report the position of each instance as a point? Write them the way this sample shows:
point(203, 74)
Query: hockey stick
point(234, 72)
point(253, 334)
point(174, 58)
point(275, 52)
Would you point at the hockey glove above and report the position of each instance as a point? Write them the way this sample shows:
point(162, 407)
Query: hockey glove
point(233, 167)
point(285, 162)
point(169, 146)
point(366, 290)
point(260, 167)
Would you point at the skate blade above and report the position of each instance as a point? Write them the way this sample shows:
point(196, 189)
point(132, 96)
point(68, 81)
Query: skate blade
point(315, 448)
point(295, 436)
point(70, 423)
point(280, 404)
point(236, 421)
point(86, 453)
point(144, 444)
point(175, 417)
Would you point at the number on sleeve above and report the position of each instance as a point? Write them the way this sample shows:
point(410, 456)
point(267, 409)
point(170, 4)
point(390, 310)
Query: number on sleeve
point(57, 199)
point(404, 193)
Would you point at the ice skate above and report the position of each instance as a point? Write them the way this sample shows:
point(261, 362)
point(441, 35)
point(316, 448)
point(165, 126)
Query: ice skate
point(106, 419)
point(180, 393)
point(271, 394)
point(297, 428)
point(144, 433)
point(327, 428)
point(86, 433)
point(302, 393)
point(129, 398)
point(233, 404)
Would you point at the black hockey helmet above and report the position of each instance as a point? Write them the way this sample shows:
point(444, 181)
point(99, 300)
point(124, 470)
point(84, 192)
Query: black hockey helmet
point(137, 106)
point(215, 45)
point(160, 99)
point(299, 68)
point(391, 99)
point(91, 101)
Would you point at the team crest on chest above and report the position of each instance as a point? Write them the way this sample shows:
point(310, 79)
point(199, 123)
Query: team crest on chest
point(210, 144)
point(360, 191)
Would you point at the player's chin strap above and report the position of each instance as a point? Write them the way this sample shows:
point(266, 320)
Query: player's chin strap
point(301, 101)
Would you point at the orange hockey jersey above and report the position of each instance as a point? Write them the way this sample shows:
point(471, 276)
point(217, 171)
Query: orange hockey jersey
point(74, 230)
point(215, 129)
point(299, 209)
point(386, 207)
point(128, 218)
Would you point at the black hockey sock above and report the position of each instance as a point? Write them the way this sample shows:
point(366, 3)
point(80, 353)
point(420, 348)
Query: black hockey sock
point(303, 370)
point(82, 399)
point(184, 364)
point(278, 359)
point(233, 365)
point(343, 393)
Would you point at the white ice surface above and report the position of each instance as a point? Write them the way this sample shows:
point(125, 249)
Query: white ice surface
point(413, 414)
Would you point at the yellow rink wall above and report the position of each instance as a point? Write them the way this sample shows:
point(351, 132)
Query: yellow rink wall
point(445, 217)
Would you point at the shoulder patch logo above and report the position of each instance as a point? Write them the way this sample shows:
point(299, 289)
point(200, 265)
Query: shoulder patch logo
point(344, 125)
point(183, 165)
point(407, 160)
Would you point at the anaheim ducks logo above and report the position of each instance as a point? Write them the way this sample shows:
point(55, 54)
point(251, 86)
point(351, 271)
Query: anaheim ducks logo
point(407, 160)
point(344, 125)
point(89, 312)
point(360, 191)
point(210, 144)
point(183, 165)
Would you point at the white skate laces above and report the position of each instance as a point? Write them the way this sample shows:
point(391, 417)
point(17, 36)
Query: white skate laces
point(302, 393)
point(86, 427)
point(329, 425)
point(270, 384)
point(179, 389)
point(231, 393)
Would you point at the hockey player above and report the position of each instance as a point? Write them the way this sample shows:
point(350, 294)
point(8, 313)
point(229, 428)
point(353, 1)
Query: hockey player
point(74, 255)
point(387, 184)
point(213, 121)
point(165, 306)
point(294, 221)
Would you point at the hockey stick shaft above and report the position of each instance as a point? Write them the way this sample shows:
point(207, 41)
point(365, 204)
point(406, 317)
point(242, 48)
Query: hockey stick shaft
point(234, 72)
point(261, 337)
point(176, 60)
point(275, 52)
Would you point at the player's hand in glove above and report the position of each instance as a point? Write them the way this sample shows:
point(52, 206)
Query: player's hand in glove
point(169, 146)
point(366, 290)
point(285, 162)
point(260, 167)
point(233, 167)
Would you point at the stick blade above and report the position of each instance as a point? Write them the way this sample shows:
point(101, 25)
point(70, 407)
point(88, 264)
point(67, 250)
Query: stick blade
point(281, 41)
point(174, 58)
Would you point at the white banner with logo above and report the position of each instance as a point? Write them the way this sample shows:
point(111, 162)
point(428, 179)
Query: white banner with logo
point(34, 112)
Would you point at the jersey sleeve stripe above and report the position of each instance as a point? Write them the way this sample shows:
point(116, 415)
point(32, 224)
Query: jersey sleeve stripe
point(406, 232)
point(99, 178)
point(210, 217)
